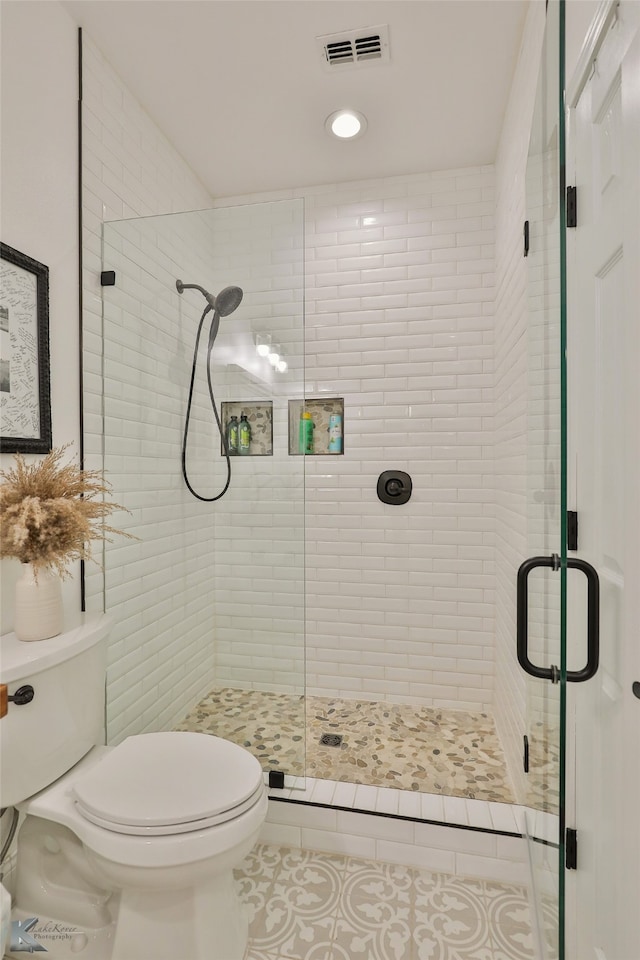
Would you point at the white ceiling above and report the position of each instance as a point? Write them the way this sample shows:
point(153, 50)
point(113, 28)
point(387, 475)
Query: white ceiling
point(240, 90)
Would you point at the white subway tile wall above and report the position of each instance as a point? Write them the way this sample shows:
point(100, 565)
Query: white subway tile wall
point(511, 382)
point(160, 652)
point(399, 322)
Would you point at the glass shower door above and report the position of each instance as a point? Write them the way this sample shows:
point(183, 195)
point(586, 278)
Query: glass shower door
point(542, 576)
point(208, 603)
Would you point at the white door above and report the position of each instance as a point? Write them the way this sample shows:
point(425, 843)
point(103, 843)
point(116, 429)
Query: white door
point(603, 893)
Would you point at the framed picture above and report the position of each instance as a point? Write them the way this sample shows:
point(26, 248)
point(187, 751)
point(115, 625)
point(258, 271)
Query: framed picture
point(25, 395)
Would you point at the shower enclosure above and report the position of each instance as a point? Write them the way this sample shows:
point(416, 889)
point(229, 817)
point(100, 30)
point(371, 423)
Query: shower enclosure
point(210, 599)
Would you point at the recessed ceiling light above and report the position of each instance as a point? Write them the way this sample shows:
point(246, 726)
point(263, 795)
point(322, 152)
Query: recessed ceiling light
point(346, 124)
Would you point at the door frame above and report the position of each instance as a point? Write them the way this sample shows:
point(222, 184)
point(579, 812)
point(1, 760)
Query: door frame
point(629, 881)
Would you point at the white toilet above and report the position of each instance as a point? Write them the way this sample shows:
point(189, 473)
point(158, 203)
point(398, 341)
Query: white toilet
point(130, 848)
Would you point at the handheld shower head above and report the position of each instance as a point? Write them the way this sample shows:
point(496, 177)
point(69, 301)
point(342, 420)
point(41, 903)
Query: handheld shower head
point(228, 300)
point(225, 303)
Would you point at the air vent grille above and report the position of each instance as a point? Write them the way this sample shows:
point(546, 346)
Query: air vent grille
point(355, 47)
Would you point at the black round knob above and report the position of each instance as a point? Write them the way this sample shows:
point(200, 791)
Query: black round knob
point(636, 688)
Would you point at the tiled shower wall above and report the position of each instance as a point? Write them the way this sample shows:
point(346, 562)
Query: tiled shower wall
point(160, 652)
point(399, 323)
point(399, 313)
point(511, 382)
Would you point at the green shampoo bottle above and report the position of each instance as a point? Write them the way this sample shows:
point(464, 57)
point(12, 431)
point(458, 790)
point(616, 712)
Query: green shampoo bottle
point(306, 433)
point(244, 436)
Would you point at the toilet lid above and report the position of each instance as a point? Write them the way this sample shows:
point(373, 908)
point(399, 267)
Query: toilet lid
point(172, 829)
point(163, 780)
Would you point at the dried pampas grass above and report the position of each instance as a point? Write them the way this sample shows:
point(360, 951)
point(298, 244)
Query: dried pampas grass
point(50, 512)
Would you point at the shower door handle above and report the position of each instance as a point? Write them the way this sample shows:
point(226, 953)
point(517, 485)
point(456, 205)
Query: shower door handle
point(593, 620)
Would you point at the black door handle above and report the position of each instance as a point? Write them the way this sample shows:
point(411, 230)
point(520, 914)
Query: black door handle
point(593, 620)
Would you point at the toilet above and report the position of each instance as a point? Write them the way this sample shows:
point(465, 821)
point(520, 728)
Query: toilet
point(129, 850)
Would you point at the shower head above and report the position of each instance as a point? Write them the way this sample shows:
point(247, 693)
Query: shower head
point(228, 300)
point(225, 303)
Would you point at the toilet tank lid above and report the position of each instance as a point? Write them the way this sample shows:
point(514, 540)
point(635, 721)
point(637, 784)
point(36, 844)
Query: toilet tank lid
point(20, 659)
point(157, 779)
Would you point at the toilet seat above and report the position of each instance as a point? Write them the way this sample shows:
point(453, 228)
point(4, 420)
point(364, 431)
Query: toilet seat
point(160, 784)
point(163, 830)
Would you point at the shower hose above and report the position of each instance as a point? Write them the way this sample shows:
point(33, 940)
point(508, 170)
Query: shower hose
point(213, 330)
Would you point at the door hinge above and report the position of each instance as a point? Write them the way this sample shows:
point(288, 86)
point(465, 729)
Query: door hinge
point(571, 849)
point(525, 753)
point(525, 234)
point(572, 207)
point(108, 278)
point(572, 529)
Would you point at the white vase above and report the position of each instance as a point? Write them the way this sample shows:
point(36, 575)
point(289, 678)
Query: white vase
point(38, 612)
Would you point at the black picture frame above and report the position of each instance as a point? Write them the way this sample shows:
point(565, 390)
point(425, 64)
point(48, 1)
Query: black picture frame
point(25, 410)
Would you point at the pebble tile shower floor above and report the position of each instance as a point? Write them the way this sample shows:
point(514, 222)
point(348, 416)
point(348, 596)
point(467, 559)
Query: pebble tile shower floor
point(318, 906)
point(425, 749)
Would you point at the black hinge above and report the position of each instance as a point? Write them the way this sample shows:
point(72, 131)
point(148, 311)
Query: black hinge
point(572, 529)
point(108, 278)
point(571, 849)
point(572, 207)
point(276, 779)
point(525, 754)
point(525, 233)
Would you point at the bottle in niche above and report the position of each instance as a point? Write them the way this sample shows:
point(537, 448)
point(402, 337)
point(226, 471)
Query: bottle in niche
point(335, 433)
point(244, 435)
point(306, 433)
point(232, 437)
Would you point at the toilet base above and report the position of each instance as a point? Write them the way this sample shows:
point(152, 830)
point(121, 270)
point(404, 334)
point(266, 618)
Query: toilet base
point(96, 908)
point(208, 922)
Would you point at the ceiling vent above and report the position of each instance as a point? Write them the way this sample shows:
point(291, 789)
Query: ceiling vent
point(354, 47)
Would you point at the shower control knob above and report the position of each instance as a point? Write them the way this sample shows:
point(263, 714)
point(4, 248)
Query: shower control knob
point(394, 487)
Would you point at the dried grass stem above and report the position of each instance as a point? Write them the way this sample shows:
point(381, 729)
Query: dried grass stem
point(50, 512)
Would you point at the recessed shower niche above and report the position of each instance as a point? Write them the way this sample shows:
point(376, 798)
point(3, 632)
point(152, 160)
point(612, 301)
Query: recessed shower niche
point(259, 415)
point(327, 417)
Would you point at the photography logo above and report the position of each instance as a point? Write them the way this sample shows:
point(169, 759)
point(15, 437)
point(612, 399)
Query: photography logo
point(29, 936)
point(21, 939)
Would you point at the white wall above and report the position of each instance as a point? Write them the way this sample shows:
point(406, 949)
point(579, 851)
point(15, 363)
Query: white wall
point(399, 323)
point(161, 648)
point(38, 204)
point(511, 387)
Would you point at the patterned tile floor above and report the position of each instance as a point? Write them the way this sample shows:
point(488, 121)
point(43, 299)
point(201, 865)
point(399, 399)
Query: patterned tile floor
point(425, 749)
point(317, 906)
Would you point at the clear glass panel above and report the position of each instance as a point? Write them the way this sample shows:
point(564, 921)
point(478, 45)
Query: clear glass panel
point(545, 485)
point(209, 602)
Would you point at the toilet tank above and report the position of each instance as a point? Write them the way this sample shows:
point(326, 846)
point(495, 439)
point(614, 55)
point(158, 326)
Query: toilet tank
point(42, 739)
